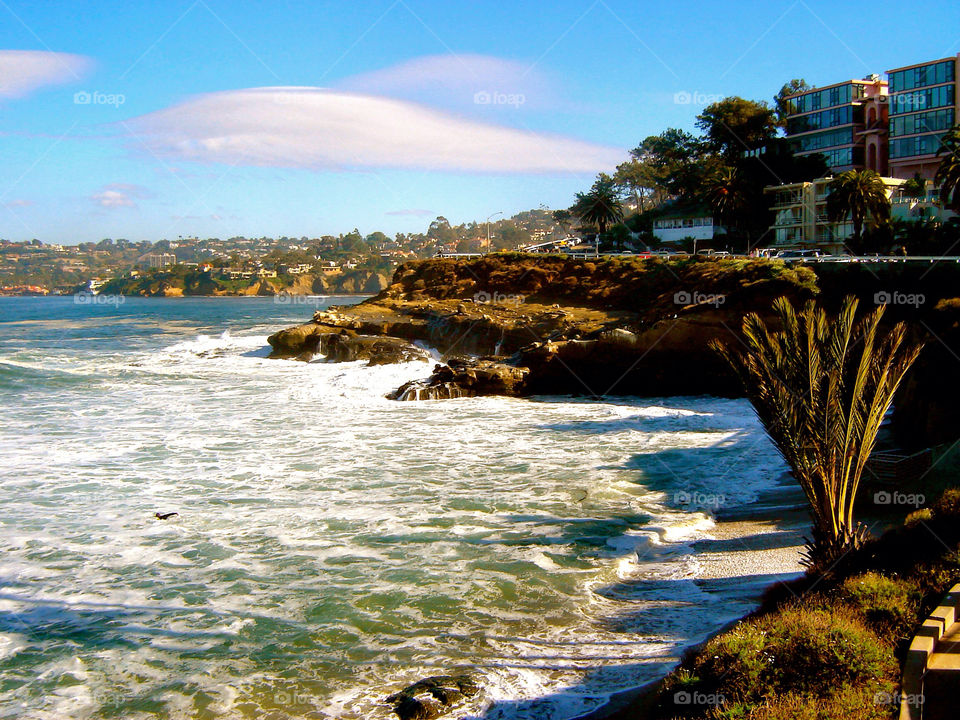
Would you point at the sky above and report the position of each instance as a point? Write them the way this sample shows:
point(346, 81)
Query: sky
point(215, 118)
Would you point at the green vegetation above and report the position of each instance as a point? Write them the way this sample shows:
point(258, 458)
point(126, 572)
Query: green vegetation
point(826, 646)
point(821, 388)
point(861, 196)
point(948, 173)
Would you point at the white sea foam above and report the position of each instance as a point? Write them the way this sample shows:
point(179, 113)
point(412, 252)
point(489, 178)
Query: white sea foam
point(332, 545)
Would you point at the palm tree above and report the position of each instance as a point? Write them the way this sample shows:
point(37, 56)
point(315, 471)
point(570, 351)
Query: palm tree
point(861, 195)
point(821, 388)
point(726, 196)
point(948, 174)
point(601, 206)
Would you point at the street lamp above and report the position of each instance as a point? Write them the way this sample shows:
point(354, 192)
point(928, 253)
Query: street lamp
point(499, 212)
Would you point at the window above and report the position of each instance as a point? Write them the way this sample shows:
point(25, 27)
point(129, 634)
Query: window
point(917, 145)
point(933, 121)
point(942, 96)
point(923, 76)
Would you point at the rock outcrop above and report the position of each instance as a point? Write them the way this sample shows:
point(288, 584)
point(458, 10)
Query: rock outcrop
point(433, 696)
point(304, 342)
point(462, 377)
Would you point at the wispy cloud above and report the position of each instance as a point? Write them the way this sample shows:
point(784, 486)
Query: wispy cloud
point(306, 127)
point(119, 195)
point(416, 212)
point(23, 71)
point(19, 202)
point(460, 82)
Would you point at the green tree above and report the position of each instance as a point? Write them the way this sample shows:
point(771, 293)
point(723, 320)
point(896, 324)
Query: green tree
point(601, 206)
point(734, 124)
point(638, 178)
point(915, 187)
point(783, 107)
point(726, 196)
point(563, 218)
point(859, 195)
point(821, 387)
point(948, 173)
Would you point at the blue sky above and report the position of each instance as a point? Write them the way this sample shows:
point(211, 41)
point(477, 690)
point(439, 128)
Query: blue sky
point(223, 117)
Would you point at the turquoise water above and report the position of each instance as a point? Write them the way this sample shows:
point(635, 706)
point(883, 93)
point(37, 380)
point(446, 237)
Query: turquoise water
point(331, 545)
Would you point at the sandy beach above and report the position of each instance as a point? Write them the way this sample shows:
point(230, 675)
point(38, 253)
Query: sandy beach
point(757, 544)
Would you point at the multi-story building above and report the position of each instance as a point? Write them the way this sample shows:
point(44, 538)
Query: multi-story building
point(845, 122)
point(924, 105)
point(800, 215)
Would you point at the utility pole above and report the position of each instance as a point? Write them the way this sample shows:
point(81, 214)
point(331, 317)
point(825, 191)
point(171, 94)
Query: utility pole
point(499, 212)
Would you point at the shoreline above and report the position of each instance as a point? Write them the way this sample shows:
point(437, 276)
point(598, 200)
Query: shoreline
point(762, 540)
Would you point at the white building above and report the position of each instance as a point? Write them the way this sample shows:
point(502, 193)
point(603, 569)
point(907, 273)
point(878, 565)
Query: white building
point(693, 223)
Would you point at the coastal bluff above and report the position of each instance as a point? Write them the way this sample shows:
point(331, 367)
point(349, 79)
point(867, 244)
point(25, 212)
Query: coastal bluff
point(518, 324)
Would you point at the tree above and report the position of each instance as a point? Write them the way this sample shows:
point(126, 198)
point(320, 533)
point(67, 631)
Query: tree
point(821, 387)
point(784, 108)
point(948, 173)
point(636, 177)
point(915, 187)
point(601, 206)
point(726, 196)
point(678, 163)
point(860, 195)
point(563, 218)
point(734, 124)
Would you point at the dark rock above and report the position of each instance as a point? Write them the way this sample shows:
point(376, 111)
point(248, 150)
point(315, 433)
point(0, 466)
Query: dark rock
point(433, 696)
point(342, 345)
point(466, 378)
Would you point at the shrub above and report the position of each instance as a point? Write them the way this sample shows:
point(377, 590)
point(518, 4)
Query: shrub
point(947, 505)
point(889, 606)
point(808, 652)
point(849, 703)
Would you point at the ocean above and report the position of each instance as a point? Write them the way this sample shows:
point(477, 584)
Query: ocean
point(332, 546)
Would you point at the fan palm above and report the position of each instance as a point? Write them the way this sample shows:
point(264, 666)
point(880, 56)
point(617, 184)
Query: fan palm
point(601, 206)
point(861, 195)
point(948, 173)
point(821, 388)
point(726, 195)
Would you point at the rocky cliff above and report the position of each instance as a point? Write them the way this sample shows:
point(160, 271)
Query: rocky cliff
point(521, 325)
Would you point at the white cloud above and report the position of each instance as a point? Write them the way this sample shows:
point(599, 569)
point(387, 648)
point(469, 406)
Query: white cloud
point(119, 195)
point(23, 71)
point(20, 202)
point(306, 127)
point(456, 81)
point(416, 212)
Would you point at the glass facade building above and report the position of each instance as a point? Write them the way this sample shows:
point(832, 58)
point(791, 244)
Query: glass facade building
point(923, 107)
point(829, 121)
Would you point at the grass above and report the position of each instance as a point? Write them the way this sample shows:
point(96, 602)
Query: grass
point(828, 646)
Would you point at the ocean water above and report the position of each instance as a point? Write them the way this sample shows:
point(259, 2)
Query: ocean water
point(331, 545)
